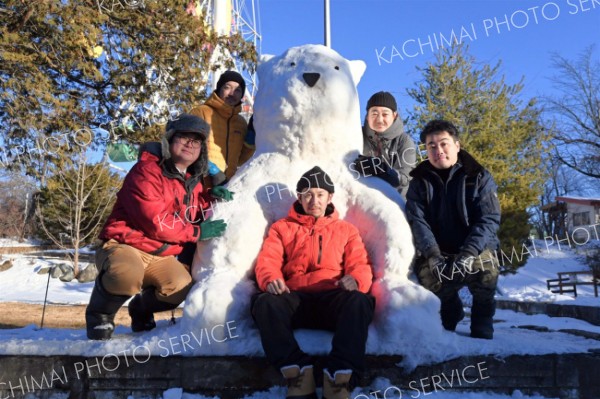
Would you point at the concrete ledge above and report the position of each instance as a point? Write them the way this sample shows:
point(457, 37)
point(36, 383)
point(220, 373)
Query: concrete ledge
point(591, 314)
point(566, 376)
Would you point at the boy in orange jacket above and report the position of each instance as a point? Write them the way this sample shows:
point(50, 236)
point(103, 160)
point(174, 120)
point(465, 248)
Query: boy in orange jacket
point(314, 272)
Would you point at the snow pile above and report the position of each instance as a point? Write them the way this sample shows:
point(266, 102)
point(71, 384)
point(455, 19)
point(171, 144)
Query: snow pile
point(307, 113)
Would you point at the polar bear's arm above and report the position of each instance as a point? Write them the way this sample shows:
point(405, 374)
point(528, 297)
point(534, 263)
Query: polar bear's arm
point(383, 228)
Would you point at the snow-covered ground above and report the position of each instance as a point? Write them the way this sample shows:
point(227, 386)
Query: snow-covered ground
point(22, 283)
point(529, 284)
point(9, 242)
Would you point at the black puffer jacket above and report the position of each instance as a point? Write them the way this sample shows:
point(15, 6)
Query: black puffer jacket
point(462, 215)
point(395, 147)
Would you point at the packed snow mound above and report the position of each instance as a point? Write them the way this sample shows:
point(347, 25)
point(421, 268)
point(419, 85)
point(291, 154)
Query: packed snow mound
point(307, 113)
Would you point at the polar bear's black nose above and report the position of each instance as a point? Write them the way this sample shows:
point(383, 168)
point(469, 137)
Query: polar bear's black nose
point(311, 78)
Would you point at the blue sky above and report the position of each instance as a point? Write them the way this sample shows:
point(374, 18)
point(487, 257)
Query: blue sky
point(522, 34)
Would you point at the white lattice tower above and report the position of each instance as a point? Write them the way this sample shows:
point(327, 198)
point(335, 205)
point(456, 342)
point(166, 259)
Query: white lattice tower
point(228, 17)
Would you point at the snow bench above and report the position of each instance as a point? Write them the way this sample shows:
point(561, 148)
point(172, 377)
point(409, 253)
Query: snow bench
point(567, 282)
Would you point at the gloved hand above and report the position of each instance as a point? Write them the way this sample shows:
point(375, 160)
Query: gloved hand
point(365, 165)
point(437, 265)
point(374, 166)
point(464, 262)
point(389, 176)
point(221, 193)
point(211, 229)
point(430, 269)
point(347, 283)
point(436, 262)
point(217, 177)
point(250, 137)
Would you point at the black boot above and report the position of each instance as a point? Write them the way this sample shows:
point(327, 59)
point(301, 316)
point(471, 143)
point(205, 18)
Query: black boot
point(482, 319)
point(100, 312)
point(142, 308)
point(452, 312)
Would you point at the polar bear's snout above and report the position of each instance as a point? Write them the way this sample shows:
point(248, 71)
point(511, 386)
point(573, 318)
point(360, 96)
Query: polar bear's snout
point(311, 78)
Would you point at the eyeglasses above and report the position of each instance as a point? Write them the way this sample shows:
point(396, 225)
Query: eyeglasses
point(194, 143)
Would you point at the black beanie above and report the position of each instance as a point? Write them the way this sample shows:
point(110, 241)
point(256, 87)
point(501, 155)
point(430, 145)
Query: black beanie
point(315, 178)
point(231, 76)
point(382, 99)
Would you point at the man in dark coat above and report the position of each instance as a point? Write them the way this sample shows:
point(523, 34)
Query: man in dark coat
point(454, 213)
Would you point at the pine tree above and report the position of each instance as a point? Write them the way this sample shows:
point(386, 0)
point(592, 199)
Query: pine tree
point(501, 132)
point(68, 69)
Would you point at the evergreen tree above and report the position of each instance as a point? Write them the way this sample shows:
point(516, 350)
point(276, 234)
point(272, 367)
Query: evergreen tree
point(501, 132)
point(70, 68)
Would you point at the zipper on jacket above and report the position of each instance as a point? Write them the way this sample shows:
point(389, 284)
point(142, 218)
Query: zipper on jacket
point(227, 142)
point(320, 247)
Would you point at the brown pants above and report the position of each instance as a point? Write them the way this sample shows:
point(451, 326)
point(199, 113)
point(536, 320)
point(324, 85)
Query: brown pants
point(126, 271)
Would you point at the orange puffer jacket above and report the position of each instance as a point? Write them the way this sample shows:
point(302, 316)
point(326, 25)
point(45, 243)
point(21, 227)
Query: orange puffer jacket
point(312, 254)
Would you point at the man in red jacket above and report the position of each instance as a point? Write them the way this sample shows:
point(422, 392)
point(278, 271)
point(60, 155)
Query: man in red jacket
point(159, 211)
point(314, 272)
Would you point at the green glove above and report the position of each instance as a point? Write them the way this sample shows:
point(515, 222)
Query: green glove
point(211, 229)
point(222, 193)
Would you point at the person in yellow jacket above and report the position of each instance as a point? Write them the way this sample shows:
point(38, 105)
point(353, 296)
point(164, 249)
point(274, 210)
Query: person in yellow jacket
point(228, 143)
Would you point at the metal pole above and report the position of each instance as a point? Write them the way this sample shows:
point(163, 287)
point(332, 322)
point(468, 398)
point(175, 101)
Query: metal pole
point(327, 25)
point(46, 297)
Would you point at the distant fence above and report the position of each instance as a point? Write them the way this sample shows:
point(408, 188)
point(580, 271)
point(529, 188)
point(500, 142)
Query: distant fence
point(25, 249)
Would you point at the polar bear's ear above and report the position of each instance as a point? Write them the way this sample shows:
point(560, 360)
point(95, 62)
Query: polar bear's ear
point(262, 62)
point(357, 67)
point(265, 58)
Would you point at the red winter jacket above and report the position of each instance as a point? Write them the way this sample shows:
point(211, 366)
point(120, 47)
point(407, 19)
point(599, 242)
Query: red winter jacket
point(153, 212)
point(312, 254)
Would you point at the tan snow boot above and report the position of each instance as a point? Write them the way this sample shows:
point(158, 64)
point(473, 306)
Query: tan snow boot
point(300, 382)
point(338, 386)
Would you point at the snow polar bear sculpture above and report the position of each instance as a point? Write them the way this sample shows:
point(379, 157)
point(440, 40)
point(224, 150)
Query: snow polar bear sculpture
point(306, 114)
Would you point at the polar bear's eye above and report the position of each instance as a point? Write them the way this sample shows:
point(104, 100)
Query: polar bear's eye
point(293, 64)
point(337, 68)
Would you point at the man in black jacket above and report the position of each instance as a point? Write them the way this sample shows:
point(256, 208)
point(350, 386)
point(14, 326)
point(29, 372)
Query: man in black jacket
point(454, 213)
